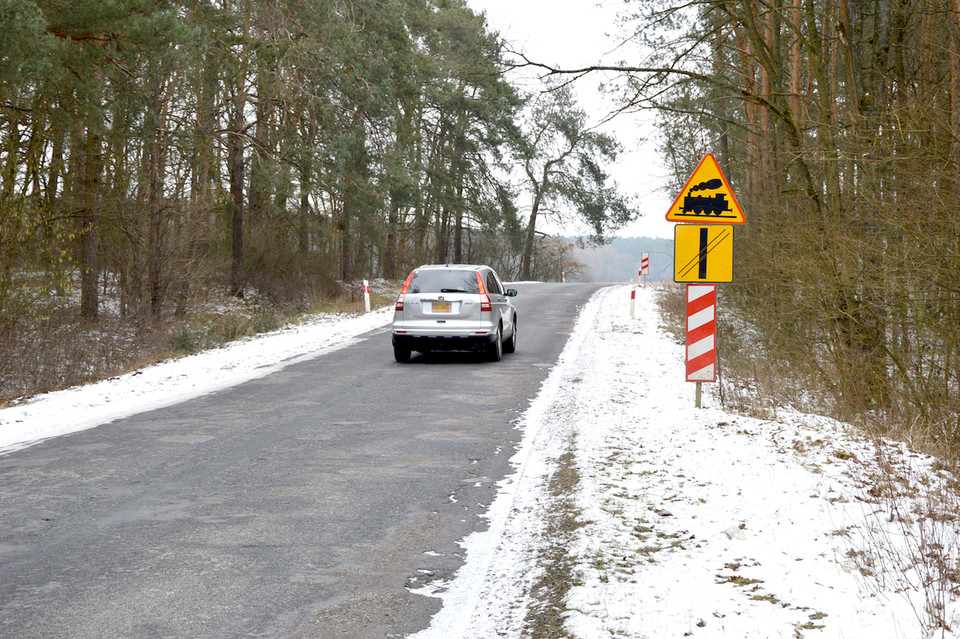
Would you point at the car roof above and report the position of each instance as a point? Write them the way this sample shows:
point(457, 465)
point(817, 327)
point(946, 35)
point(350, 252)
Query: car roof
point(459, 267)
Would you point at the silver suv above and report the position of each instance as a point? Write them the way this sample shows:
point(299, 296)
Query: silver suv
point(454, 307)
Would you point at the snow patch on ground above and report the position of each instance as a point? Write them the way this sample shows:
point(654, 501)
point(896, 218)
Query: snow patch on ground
point(491, 591)
point(68, 411)
point(695, 522)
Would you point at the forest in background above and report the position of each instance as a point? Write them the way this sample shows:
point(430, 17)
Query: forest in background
point(156, 152)
point(162, 144)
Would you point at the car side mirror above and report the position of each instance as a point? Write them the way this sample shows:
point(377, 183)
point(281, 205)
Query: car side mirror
point(511, 292)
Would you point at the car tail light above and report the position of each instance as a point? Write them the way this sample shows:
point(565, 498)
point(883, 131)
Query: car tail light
point(403, 292)
point(484, 298)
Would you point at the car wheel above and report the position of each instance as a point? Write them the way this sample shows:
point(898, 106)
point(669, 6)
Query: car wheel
point(496, 349)
point(511, 345)
point(401, 354)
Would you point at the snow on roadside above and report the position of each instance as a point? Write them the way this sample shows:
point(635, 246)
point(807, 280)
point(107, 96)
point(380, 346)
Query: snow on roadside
point(489, 597)
point(74, 409)
point(695, 522)
point(706, 523)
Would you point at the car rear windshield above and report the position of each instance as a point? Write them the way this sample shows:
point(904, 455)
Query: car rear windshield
point(445, 281)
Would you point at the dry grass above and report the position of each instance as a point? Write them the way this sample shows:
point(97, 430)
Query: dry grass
point(549, 592)
point(55, 349)
point(911, 543)
point(673, 309)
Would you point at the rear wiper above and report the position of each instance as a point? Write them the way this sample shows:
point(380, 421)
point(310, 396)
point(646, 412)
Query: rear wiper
point(453, 290)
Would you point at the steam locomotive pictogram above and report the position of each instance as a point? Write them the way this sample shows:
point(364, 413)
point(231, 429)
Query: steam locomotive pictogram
point(706, 205)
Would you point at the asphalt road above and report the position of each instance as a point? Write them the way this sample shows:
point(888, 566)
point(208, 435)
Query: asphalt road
point(303, 504)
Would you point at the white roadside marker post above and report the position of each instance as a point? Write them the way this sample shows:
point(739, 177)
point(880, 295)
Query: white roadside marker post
point(366, 295)
point(633, 292)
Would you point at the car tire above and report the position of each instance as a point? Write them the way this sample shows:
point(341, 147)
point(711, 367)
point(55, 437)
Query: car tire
point(511, 344)
point(401, 354)
point(496, 349)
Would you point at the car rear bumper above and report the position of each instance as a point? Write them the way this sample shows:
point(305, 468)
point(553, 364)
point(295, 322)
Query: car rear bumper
point(423, 343)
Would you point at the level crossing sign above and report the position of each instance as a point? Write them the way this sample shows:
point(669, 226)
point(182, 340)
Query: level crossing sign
point(706, 211)
point(707, 198)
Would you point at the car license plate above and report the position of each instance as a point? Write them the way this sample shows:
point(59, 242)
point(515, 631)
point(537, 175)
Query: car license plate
point(441, 307)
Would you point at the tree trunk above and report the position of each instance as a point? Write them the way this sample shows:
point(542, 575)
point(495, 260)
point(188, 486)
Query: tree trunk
point(354, 183)
point(201, 193)
point(89, 178)
point(258, 158)
point(155, 161)
point(346, 265)
point(390, 251)
point(525, 270)
point(443, 235)
point(235, 162)
point(303, 223)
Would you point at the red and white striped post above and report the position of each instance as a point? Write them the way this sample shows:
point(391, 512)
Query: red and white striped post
point(645, 265)
point(701, 334)
point(366, 294)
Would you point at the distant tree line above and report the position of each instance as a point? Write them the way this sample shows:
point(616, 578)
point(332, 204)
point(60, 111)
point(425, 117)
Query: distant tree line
point(619, 260)
point(151, 147)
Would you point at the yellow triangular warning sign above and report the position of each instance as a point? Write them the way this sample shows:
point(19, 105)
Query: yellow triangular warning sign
point(706, 198)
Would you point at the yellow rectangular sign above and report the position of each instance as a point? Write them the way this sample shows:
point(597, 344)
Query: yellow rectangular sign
point(703, 253)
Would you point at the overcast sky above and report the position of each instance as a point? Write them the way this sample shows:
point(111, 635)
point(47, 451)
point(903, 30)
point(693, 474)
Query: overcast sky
point(574, 33)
